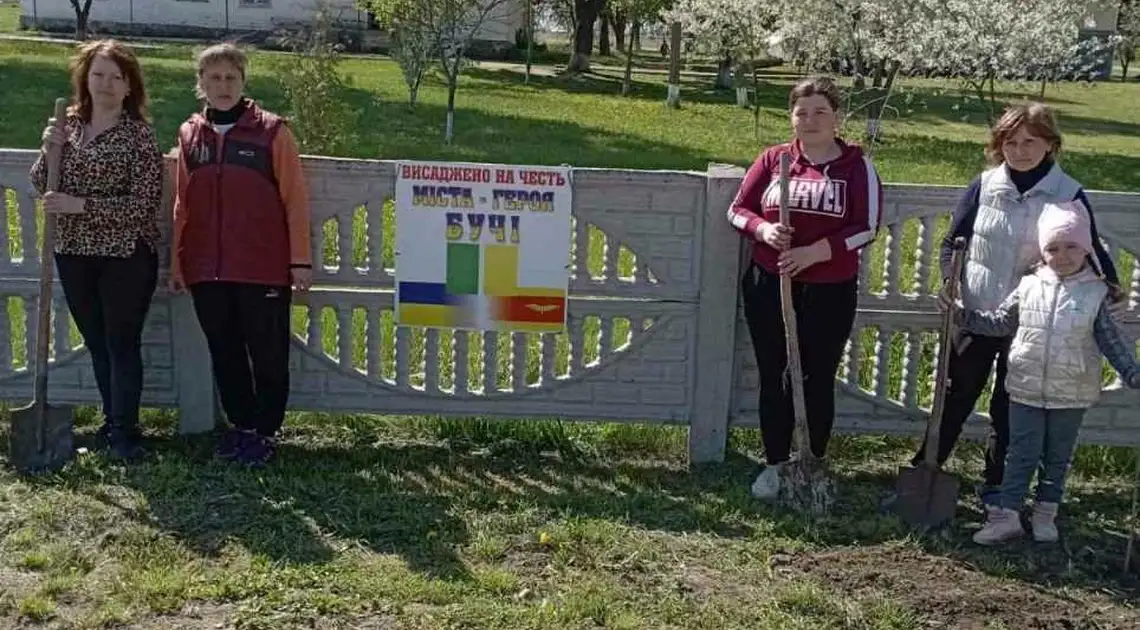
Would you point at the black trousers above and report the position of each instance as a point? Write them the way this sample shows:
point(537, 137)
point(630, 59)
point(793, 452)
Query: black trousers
point(825, 314)
point(109, 299)
point(247, 331)
point(969, 372)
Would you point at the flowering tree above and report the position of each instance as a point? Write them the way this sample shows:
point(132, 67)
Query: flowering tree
point(1128, 27)
point(737, 31)
point(866, 38)
point(981, 42)
point(733, 30)
point(445, 27)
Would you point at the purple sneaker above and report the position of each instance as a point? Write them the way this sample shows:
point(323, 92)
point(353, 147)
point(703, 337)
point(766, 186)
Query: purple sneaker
point(232, 442)
point(256, 451)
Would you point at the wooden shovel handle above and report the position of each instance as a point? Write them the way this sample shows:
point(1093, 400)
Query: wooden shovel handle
point(942, 376)
point(791, 336)
point(47, 267)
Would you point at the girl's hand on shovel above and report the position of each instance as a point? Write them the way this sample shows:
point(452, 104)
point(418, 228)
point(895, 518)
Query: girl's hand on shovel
point(776, 235)
point(60, 203)
point(795, 260)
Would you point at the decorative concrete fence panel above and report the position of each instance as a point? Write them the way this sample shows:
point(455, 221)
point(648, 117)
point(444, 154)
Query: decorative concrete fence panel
point(655, 331)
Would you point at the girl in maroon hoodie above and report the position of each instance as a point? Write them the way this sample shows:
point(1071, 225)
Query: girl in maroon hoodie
point(834, 199)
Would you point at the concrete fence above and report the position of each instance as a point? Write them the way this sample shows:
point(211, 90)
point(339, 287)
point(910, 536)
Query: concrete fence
point(656, 332)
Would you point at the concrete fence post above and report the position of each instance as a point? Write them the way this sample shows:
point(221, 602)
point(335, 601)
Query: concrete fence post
point(716, 319)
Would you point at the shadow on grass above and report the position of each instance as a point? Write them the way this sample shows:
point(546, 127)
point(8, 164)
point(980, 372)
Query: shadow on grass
point(609, 82)
point(332, 489)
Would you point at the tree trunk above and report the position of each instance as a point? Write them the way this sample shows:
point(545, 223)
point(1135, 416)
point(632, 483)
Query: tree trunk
point(880, 96)
point(82, 13)
point(452, 84)
point(635, 35)
point(604, 35)
point(879, 72)
point(724, 72)
point(529, 38)
point(620, 20)
point(673, 97)
point(860, 79)
point(627, 80)
point(586, 13)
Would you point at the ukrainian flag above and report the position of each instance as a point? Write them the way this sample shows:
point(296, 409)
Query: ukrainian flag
point(424, 304)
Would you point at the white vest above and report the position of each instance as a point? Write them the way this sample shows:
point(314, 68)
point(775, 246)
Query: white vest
point(1054, 361)
point(1004, 245)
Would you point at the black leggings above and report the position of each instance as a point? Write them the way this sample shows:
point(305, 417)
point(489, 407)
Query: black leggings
point(247, 331)
point(969, 372)
point(109, 299)
point(825, 314)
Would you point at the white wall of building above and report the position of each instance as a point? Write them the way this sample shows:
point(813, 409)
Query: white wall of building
point(259, 15)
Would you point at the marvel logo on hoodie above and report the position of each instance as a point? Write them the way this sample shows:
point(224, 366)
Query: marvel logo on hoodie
point(840, 200)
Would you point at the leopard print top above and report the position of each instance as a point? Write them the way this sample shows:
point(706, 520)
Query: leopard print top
point(119, 173)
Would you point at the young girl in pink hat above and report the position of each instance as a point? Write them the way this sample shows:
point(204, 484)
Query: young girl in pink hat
point(1060, 321)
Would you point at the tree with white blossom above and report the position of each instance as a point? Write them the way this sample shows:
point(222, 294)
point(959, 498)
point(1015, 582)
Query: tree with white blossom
point(870, 37)
point(446, 28)
point(733, 30)
point(737, 31)
point(982, 42)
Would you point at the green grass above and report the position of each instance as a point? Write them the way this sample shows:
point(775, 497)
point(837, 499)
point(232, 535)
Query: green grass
point(476, 523)
point(581, 122)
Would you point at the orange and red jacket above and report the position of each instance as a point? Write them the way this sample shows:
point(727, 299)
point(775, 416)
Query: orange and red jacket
point(241, 209)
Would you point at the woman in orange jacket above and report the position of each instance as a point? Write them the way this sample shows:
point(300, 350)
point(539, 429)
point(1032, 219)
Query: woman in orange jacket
point(241, 246)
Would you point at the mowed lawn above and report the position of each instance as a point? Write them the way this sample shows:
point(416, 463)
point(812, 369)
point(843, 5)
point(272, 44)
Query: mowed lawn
point(369, 522)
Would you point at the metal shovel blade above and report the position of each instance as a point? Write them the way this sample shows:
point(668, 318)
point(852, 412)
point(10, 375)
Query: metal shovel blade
point(41, 437)
point(926, 496)
point(26, 452)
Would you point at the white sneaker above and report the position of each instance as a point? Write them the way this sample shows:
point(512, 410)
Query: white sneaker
point(1001, 525)
point(767, 484)
point(1044, 527)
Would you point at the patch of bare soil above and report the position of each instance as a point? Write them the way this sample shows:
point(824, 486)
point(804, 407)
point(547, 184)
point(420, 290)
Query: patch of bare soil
point(208, 616)
point(946, 593)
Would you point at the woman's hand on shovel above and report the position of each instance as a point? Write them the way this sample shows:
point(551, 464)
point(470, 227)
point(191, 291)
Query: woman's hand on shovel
point(944, 301)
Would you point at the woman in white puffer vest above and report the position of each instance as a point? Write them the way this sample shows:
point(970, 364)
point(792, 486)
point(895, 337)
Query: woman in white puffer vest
point(1060, 320)
point(997, 216)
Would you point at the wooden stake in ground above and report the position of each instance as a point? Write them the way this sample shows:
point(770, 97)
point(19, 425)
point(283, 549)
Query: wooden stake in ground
point(804, 485)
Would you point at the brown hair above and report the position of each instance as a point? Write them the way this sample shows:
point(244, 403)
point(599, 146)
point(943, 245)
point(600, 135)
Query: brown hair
point(1038, 120)
point(823, 86)
point(135, 103)
point(225, 52)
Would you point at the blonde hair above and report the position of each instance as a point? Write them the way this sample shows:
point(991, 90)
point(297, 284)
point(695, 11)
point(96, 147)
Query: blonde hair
point(1037, 119)
point(219, 53)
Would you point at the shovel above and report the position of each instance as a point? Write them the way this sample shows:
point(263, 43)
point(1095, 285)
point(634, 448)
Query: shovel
point(41, 437)
point(927, 496)
point(805, 485)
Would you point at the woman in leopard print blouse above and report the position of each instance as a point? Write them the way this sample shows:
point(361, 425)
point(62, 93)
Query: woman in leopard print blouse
point(107, 236)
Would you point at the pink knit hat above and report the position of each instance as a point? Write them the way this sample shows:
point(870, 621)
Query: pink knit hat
point(1067, 221)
